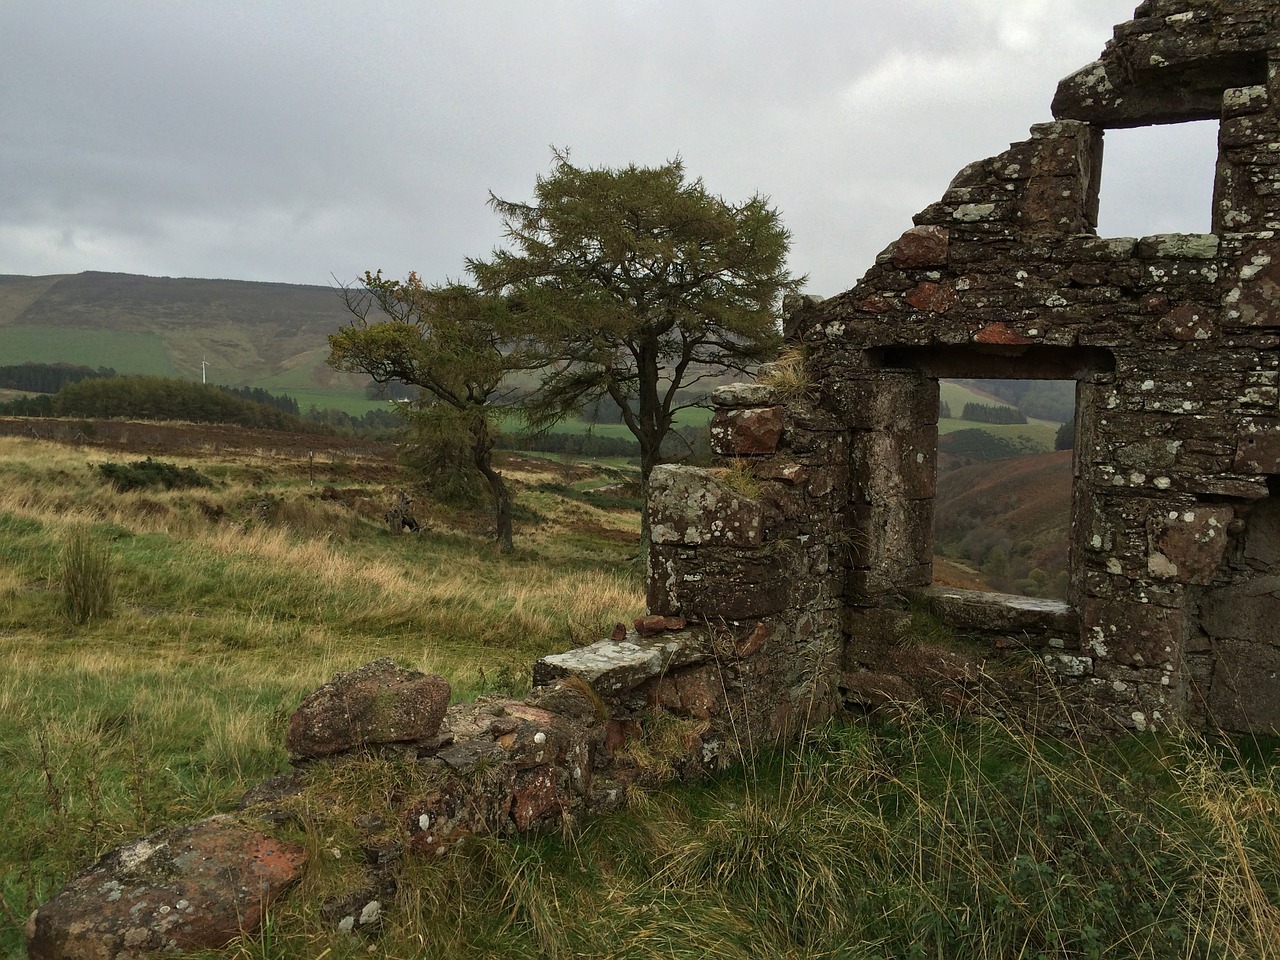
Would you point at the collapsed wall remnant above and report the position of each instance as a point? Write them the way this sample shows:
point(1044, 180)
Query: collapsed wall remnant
point(1174, 344)
point(790, 582)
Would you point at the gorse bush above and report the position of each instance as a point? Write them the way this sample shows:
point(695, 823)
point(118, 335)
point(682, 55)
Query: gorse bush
point(151, 474)
point(88, 579)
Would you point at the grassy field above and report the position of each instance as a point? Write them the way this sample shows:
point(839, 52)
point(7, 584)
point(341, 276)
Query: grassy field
point(231, 604)
point(1039, 432)
point(123, 351)
point(909, 837)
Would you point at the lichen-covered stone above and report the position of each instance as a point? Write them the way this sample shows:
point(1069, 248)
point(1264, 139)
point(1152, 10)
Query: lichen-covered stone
point(379, 703)
point(921, 247)
point(191, 887)
point(744, 395)
point(613, 668)
point(1188, 545)
point(746, 433)
point(688, 505)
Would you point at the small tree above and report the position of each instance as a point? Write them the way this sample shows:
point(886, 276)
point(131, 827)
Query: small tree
point(1065, 438)
point(453, 342)
point(639, 284)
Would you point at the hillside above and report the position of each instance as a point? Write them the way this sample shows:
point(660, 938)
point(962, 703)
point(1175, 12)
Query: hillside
point(261, 334)
point(1005, 519)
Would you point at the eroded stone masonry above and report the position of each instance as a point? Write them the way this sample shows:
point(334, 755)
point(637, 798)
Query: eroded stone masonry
point(1174, 612)
point(789, 584)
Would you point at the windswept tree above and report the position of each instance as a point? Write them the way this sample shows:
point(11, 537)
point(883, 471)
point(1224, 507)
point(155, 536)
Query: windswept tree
point(457, 345)
point(638, 284)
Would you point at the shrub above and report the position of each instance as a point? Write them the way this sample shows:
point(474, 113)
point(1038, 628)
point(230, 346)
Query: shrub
point(88, 579)
point(150, 474)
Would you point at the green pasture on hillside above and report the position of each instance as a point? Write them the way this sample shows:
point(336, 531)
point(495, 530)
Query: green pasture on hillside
point(1039, 432)
point(123, 351)
point(689, 417)
point(355, 404)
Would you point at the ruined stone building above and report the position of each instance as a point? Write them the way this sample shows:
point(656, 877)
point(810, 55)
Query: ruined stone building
point(791, 584)
point(1174, 344)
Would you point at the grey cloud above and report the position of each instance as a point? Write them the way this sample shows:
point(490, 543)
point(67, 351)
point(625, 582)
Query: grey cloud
point(285, 141)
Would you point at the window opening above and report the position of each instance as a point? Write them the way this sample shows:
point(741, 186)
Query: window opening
point(1002, 512)
point(1158, 180)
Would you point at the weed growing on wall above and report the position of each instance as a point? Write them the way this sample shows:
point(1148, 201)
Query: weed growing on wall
point(788, 377)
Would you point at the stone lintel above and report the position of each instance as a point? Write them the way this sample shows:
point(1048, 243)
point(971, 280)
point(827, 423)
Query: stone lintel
point(614, 667)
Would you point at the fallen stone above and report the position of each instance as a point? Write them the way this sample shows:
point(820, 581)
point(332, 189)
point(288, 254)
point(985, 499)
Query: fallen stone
point(378, 703)
point(192, 887)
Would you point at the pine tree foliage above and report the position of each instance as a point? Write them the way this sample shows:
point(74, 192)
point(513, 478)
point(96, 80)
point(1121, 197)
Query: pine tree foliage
point(639, 284)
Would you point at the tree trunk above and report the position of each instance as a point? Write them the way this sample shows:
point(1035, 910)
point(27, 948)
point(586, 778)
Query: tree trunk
point(483, 454)
point(650, 434)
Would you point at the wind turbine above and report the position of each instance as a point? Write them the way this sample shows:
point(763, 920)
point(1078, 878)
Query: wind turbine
point(203, 365)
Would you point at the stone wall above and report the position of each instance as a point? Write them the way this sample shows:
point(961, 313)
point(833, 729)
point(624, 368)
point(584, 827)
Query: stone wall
point(1173, 342)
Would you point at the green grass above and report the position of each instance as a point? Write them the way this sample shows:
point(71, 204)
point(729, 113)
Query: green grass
point(1039, 432)
point(231, 604)
point(956, 395)
point(121, 350)
point(917, 839)
point(913, 839)
point(352, 402)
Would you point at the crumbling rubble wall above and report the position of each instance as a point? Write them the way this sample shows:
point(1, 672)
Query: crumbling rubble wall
point(756, 551)
point(1174, 343)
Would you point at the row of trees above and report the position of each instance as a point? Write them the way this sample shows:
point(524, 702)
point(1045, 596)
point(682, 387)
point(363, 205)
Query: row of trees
point(630, 284)
point(164, 398)
point(47, 377)
point(992, 413)
point(155, 398)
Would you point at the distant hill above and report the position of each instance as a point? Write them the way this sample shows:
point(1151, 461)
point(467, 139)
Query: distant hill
point(269, 335)
point(1006, 519)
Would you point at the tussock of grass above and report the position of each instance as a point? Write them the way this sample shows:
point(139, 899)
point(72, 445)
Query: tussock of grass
point(88, 579)
point(788, 377)
point(739, 477)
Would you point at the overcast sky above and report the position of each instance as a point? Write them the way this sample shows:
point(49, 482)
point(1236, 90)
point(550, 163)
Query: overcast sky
point(296, 141)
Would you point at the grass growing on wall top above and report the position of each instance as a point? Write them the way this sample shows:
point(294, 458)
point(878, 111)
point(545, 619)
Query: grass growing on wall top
point(920, 839)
